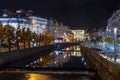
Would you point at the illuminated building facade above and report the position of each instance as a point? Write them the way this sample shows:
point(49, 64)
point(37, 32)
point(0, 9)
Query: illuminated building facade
point(51, 27)
point(38, 25)
point(15, 22)
point(78, 34)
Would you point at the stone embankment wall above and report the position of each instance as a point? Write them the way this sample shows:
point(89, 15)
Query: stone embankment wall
point(106, 69)
point(7, 57)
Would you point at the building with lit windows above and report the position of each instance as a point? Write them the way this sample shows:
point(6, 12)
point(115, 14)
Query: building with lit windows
point(35, 24)
point(51, 27)
point(38, 25)
point(14, 22)
point(112, 23)
point(78, 34)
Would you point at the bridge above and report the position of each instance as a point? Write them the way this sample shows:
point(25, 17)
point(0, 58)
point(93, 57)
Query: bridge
point(101, 66)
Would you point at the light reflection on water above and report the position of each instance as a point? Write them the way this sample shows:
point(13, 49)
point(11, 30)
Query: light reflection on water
point(63, 57)
point(36, 76)
point(56, 77)
point(56, 58)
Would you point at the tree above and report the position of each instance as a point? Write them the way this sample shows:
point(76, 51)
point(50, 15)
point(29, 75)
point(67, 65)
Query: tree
point(34, 38)
point(24, 36)
point(118, 41)
point(50, 38)
point(18, 37)
point(99, 39)
point(28, 36)
point(108, 40)
point(8, 35)
point(40, 39)
point(1, 33)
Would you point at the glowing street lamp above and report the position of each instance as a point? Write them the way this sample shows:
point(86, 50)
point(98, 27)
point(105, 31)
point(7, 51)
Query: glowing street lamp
point(115, 36)
point(33, 22)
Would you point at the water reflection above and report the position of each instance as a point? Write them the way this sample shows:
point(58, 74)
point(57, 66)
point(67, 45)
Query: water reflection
point(30, 76)
point(57, 58)
point(56, 77)
point(37, 76)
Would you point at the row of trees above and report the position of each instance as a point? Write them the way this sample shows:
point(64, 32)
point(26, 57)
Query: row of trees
point(9, 36)
point(95, 37)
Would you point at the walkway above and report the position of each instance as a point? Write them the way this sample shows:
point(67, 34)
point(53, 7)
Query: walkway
point(109, 55)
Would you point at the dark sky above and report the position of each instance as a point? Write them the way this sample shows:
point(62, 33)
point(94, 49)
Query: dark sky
point(74, 13)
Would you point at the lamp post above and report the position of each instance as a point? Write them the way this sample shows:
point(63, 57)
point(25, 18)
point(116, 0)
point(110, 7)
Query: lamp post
point(33, 26)
point(33, 42)
point(115, 36)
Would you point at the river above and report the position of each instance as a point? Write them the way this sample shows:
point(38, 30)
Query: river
point(60, 62)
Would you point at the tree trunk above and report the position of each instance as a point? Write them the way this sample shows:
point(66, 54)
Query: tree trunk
point(39, 44)
point(29, 44)
point(24, 44)
point(9, 46)
point(18, 47)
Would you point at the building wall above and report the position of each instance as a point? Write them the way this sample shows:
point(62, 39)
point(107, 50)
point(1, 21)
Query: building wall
point(78, 34)
point(14, 22)
point(38, 25)
point(51, 27)
point(113, 22)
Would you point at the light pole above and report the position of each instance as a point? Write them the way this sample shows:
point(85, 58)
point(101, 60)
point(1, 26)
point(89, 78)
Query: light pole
point(115, 36)
point(33, 26)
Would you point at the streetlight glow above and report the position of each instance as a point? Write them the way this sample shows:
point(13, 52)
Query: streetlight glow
point(33, 22)
point(115, 30)
point(115, 36)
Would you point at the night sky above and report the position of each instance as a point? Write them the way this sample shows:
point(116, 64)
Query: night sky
point(74, 13)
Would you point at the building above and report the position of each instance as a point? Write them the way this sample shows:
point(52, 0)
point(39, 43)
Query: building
point(112, 23)
point(78, 34)
point(14, 21)
point(51, 27)
point(34, 23)
point(38, 25)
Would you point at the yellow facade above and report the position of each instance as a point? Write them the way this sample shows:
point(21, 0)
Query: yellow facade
point(78, 34)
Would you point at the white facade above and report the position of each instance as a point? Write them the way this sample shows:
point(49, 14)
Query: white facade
point(39, 25)
point(113, 23)
point(14, 22)
point(36, 24)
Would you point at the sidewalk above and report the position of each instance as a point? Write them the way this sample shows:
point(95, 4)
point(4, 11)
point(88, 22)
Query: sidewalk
point(108, 54)
point(111, 58)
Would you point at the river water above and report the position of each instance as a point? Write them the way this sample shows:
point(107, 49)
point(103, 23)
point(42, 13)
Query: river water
point(65, 58)
point(36, 76)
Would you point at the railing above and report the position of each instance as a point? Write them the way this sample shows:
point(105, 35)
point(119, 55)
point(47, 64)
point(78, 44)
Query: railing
point(106, 69)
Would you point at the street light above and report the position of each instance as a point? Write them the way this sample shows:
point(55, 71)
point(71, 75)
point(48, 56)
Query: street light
point(115, 36)
point(33, 22)
point(33, 40)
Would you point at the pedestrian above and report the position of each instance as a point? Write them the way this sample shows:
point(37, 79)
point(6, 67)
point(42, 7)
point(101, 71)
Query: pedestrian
point(115, 57)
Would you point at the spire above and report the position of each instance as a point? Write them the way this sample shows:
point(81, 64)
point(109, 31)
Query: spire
point(61, 24)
